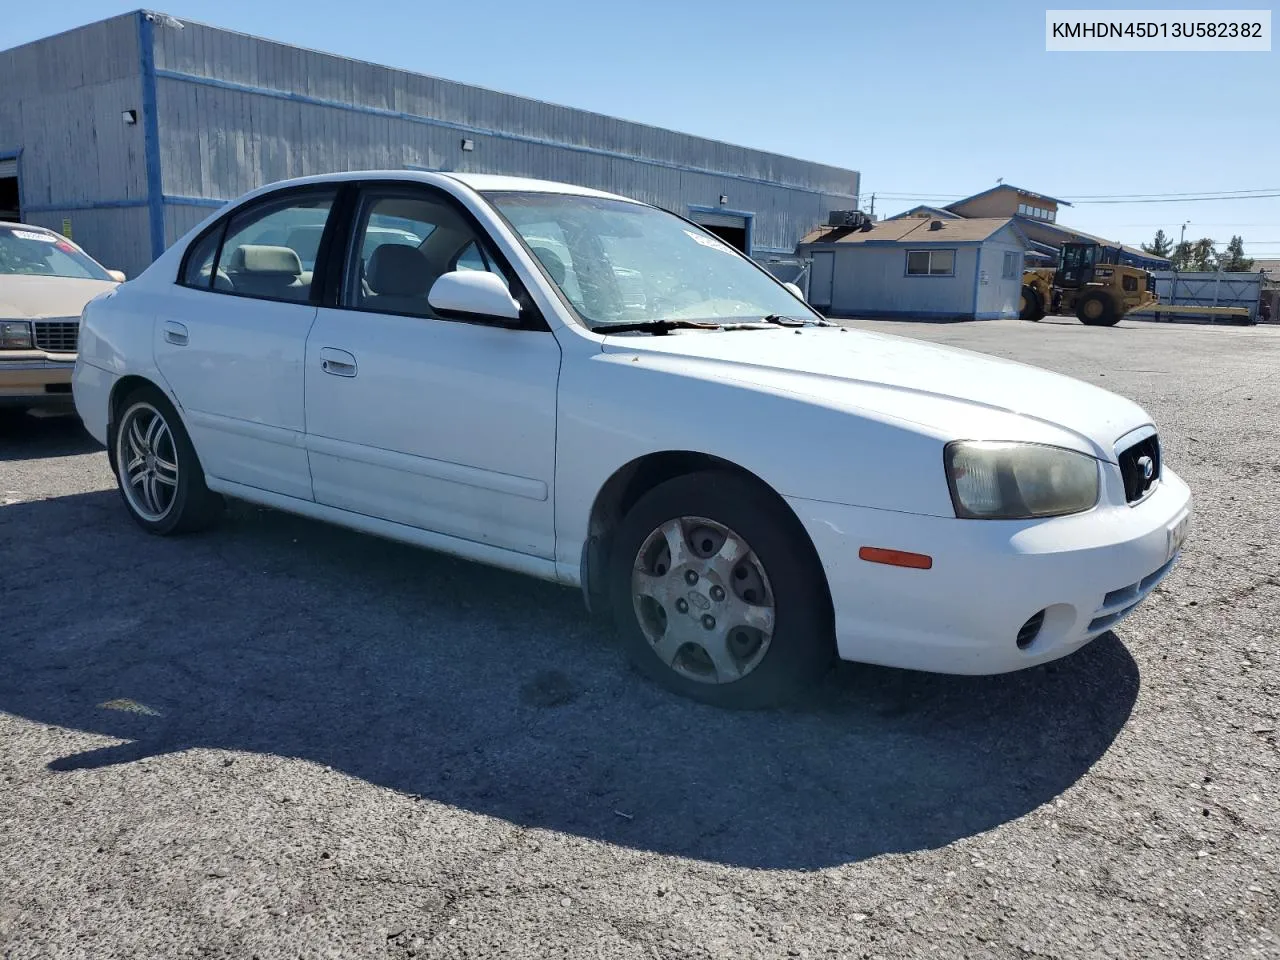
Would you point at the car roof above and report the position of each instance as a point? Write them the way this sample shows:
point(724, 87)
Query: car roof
point(480, 182)
point(11, 225)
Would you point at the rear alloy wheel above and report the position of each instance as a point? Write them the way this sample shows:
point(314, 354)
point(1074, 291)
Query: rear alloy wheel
point(1096, 309)
point(1031, 307)
point(159, 475)
point(717, 596)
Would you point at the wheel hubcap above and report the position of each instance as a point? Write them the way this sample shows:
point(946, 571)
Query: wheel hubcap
point(1093, 309)
point(147, 461)
point(703, 600)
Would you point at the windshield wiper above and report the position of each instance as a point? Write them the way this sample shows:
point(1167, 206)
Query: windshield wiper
point(655, 326)
point(783, 321)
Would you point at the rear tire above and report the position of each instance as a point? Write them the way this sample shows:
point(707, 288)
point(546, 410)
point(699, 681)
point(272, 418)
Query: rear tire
point(156, 467)
point(1032, 307)
point(1096, 309)
point(718, 595)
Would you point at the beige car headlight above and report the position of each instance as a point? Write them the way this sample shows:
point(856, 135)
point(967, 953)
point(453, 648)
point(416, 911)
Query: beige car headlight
point(15, 335)
point(1019, 481)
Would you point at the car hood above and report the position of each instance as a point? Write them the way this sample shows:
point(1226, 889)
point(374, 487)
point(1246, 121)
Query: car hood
point(34, 298)
point(954, 393)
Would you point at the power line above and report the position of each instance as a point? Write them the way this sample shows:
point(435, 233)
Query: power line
point(1251, 196)
point(1256, 193)
point(1190, 193)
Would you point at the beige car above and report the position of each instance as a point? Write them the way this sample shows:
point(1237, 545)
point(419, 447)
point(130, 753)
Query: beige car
point(45, 281)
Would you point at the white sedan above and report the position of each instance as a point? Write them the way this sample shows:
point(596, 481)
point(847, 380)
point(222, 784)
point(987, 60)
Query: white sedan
point(594, 391)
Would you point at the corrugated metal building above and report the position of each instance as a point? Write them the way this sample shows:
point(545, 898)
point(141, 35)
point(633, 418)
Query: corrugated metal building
point(127, 131)
point(926, 267)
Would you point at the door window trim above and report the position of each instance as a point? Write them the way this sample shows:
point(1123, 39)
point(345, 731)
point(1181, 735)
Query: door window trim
point(338, 190)
point(342, 266)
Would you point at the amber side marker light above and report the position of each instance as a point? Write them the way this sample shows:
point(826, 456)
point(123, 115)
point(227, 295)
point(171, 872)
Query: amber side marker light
point(896, 558)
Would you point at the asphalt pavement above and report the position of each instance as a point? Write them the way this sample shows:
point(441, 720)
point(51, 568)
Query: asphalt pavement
point(281, 739)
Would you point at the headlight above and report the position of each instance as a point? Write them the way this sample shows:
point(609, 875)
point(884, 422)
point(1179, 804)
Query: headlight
point(15, 335)
point(1019, 481)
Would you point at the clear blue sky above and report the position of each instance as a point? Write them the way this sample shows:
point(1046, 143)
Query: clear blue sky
point(927, 98)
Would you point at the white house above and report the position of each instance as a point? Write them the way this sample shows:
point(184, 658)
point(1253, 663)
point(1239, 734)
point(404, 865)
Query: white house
point(927, 267)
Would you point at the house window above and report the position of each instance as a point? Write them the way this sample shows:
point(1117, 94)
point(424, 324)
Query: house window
point(1038, 213)
point(931, 263)
point(1012, 265)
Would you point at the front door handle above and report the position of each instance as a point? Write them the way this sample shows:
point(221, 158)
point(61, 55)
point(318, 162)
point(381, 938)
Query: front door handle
point(175, 333)
point(337, 362)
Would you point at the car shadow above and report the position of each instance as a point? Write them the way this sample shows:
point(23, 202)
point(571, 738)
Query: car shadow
point(498, 694)
point(24, 436)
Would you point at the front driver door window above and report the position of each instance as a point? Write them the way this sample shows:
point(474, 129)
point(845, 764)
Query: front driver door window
point(441, 424)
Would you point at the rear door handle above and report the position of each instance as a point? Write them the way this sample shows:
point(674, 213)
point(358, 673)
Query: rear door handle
point(175, 333)
point(337, 362)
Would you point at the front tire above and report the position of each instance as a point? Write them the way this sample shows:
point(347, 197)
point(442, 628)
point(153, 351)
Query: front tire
point(160, 477)
point(1096, 309)
point(717, 593)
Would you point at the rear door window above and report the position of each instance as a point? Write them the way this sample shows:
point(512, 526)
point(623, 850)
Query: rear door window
point(267, 250)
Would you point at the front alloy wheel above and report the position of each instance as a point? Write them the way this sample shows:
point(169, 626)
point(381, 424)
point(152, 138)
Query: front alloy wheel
point(703, 600)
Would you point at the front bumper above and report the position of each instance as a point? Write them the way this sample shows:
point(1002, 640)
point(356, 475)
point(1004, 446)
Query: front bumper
point(34, 378)
point(1086, 572)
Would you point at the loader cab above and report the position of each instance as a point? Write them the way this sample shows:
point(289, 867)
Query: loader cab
point(1076, 262)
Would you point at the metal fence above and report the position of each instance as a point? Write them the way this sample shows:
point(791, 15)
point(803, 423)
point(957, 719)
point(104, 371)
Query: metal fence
point(1204, 289)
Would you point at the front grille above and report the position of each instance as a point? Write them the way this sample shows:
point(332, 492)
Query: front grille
point(57, 336)
point(1119, 603)
point(1133, 468)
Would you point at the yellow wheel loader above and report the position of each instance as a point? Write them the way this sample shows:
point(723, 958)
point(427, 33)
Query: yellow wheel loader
point(1090, 282)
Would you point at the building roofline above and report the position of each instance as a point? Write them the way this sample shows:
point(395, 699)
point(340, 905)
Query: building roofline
point(1009, 186)
point(128, 14)
point(417, 73)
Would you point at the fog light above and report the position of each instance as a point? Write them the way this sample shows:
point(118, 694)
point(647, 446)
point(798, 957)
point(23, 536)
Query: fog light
point(1028, 632)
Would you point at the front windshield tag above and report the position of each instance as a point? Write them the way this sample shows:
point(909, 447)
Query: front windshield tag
point(707, 242)
point(32, 235)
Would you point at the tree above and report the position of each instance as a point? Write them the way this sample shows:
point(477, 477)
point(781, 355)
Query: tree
point(1234, 258)
point(1181, 256)
point(1160, 245)
point(1203, 256)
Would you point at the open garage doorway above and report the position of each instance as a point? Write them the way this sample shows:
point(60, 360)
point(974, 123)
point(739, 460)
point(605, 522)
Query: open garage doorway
point(10, 208)
point(731, 226)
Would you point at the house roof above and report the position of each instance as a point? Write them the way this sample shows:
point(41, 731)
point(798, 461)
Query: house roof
point(1069, 234)
point(1008, 186)
point(914, 231)
point(924, 210)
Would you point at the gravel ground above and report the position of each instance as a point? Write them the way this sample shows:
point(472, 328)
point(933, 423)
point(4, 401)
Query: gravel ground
point(280, 739)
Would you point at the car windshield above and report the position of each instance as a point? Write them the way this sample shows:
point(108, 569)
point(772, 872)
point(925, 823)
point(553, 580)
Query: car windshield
point(40, 253)
point(624, 263)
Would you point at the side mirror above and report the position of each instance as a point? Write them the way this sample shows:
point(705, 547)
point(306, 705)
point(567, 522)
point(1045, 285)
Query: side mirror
point(474, 293)
point(799, 294)
point(118, 276)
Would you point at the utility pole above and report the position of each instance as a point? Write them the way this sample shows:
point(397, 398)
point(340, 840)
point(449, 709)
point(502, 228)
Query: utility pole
point(1173, 283)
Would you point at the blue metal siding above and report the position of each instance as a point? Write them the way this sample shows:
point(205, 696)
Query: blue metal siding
point(117, 237)
point(62, 105)
point(237, 112)
point(232, 112)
